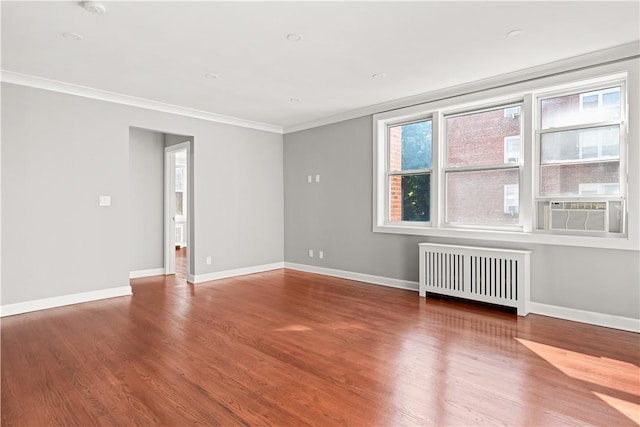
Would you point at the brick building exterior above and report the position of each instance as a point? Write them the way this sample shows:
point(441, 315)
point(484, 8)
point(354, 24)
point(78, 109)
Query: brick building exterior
point(478, 139)
point(395, 163)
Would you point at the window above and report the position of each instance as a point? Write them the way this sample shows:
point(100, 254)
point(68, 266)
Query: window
point(511, 199)
point(499, 168)
point(600, 143)
point(482, 157)
point(512, 149)
point(605, 98)
point(578, 148)
point(597, 188)
point(512, 112)
point(409, 171)
point(580, 136)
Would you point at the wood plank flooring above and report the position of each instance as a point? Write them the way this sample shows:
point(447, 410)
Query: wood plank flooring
point(289, 348)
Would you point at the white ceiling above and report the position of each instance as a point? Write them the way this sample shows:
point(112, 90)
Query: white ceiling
point(161, 50)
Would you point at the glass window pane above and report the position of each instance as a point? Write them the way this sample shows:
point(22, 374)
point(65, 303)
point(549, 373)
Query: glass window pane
point(576, 179)
point(179, 203)
point(511, 199)
point(479, 138)
point(577, 109)
point(611, 99)
point(180, 178)
point(582, 144)
point(512, 149)
point(590, 101)
point(410, 146)
point(410, 197)
point(478, 198)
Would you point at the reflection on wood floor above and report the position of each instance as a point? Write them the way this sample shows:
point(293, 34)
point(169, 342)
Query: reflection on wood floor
point(292, 348)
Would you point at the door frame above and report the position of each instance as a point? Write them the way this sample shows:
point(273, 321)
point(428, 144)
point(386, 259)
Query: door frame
point(169, 207)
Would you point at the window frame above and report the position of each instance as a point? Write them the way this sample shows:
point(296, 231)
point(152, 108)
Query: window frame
point(599, 86)
point(527, 91)
point(445, 168)
point(381, 202)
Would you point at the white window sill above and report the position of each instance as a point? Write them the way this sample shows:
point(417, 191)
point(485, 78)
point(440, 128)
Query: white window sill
point(541, 237)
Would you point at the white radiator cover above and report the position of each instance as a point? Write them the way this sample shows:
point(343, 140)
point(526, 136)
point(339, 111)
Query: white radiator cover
point(497, 276)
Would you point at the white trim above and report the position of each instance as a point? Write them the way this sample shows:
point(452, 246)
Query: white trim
point(118, 98)
point(146, 273)
point(360, 277)
point(625, 51)
point(199, 278)
point(45, 303)
point(582, 316)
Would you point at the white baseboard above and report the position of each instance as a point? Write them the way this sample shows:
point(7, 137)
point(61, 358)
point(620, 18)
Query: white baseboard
point(360, 277)
point(582, 316)
point(199, 278)
point(42, 304)
point(593, 318)
point(146, 273)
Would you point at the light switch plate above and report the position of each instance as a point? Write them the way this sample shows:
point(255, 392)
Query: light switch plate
point(105, 200)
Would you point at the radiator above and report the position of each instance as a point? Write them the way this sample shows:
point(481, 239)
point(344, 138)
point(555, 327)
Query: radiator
point(497, 276)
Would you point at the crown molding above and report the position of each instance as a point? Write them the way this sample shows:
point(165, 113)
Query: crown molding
point(12, 77)
point(592, 59)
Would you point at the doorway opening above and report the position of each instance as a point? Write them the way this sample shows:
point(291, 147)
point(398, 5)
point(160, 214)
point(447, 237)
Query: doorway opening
point(161, 230)
point(177, 209)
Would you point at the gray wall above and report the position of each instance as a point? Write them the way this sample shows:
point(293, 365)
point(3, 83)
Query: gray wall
point(60, 152)
point(146, 185)
point(335, 216)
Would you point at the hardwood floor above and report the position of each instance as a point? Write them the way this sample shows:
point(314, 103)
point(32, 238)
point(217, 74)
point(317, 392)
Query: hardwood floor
point(291, 349)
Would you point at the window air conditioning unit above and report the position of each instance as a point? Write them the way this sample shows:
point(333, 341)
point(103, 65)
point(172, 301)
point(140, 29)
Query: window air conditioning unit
point(579, 216)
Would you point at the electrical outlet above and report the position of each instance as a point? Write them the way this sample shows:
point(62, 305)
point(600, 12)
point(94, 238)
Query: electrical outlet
point(320, 254)
point(208, 260)
point(318, 178)
point(309, 179)
point(310, 253)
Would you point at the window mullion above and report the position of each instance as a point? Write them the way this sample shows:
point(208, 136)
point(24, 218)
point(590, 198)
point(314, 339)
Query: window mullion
point(409, 172)
point(437, 182)
point(582, 126)
point(479, 168)
point(527, 191)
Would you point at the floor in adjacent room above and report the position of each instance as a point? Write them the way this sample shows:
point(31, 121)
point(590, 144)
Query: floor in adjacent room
point(292, 348)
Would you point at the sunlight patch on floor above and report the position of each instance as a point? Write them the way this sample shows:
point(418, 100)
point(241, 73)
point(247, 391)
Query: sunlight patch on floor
point(611, 373)
point(614, 374)
point(628, 409)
